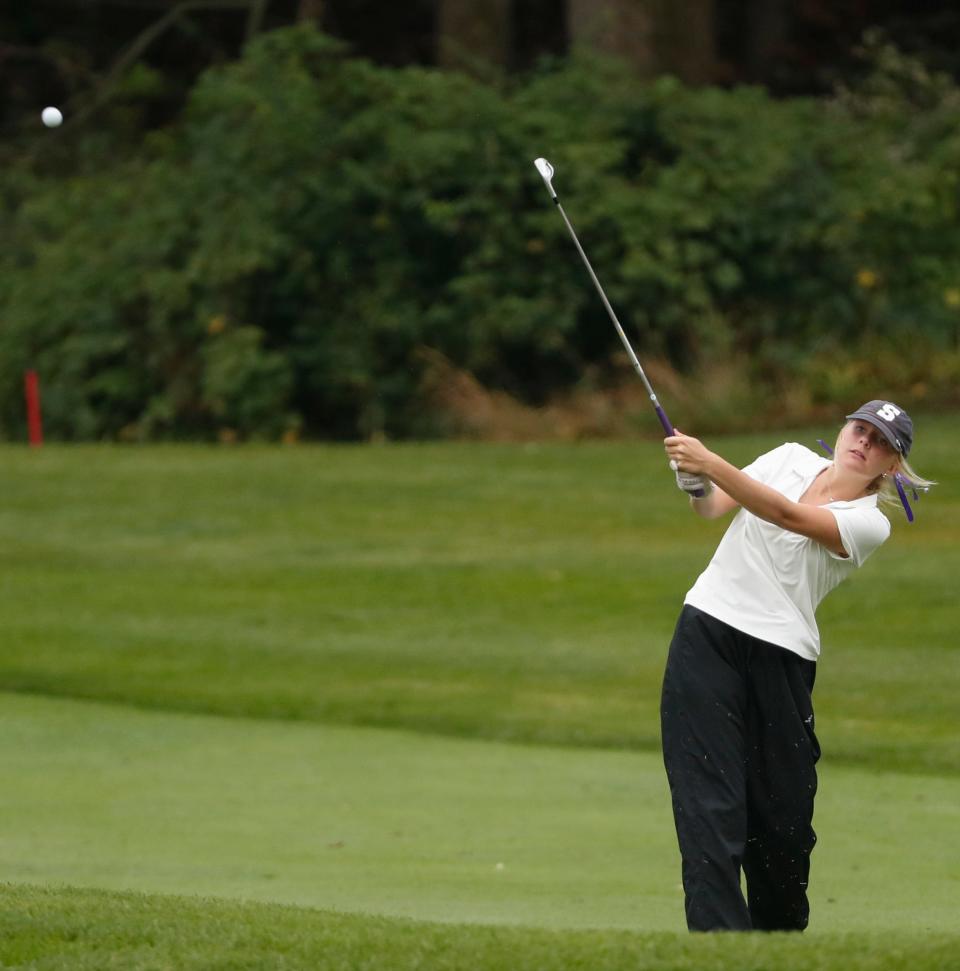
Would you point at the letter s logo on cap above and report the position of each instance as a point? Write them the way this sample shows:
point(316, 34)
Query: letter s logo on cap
point(888, 412)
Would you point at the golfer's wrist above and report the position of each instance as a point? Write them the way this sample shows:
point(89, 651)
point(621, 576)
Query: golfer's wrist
point(710, 464)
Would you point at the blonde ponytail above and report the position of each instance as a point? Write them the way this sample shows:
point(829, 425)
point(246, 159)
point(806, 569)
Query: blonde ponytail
point(886, 485)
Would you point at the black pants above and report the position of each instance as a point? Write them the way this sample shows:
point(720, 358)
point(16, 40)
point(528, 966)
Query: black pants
point(740, 752)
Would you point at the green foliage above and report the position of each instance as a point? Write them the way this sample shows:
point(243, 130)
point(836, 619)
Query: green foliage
point(245, 386)
point(344, 217)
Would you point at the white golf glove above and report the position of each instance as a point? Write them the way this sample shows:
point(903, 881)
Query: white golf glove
point(692, 484)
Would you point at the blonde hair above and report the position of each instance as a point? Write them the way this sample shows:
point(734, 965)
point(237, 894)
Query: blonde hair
point(885, 486)
point(886, 489)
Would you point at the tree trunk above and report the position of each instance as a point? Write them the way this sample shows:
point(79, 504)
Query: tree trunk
point(310, 10)
point(766, 37)
point(619, 28)
point(258, 9)
point(653, 36)
point(474, 34)
point(687, 45)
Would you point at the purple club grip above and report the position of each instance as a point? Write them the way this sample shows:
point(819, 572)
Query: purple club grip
point(662, 415)
point(669, 429)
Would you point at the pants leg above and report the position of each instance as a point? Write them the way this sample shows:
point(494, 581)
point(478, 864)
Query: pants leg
point(739, 749)
point(703, 721)
point(781, 785)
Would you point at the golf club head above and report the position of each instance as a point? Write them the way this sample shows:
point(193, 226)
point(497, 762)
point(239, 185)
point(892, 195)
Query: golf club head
point(546, 173)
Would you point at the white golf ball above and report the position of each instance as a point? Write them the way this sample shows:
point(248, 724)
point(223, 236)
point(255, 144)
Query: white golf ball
point(51, 117)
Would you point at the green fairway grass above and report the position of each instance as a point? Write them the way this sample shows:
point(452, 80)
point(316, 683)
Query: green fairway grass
point(438, 829)
point(501, 592)
point(49, 930)
point(415, 687)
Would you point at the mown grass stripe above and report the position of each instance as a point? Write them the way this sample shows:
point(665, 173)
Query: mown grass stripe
point(506, 592)
point(45, 929)
point(391, 822)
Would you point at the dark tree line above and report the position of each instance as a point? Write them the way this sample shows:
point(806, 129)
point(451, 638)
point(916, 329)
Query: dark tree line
point(70, 51)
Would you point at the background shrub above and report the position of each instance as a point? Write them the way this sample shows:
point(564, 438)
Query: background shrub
point(315, 229)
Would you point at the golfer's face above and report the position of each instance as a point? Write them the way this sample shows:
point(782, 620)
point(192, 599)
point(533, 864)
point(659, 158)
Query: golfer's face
point(864, 449)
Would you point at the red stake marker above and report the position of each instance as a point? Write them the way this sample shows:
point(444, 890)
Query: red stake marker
point(31, 389)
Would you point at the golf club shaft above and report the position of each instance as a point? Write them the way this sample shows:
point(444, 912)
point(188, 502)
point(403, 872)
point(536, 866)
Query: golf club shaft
point(634, 360)
point(694, 485)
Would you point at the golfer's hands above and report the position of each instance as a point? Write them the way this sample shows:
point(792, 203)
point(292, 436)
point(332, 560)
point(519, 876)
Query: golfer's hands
point(688, 459)
point(689, 454)
point(693, 485)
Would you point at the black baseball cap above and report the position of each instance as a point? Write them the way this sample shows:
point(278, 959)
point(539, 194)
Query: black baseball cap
point(893, 421)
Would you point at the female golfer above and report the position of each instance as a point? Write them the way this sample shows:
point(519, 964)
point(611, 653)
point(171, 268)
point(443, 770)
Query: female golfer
point(736, 712)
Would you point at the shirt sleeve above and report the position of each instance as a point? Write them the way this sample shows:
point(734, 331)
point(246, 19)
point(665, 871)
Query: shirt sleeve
point(861, 531)
point(765, 467)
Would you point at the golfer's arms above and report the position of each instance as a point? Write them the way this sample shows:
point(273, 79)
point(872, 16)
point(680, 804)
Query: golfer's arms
point(714, 504)
point(733, 487)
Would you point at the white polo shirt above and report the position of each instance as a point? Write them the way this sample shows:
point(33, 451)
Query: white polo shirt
point(767, 581)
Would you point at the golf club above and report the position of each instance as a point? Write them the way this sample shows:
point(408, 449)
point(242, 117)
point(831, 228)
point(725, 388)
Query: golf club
point(546, 171)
